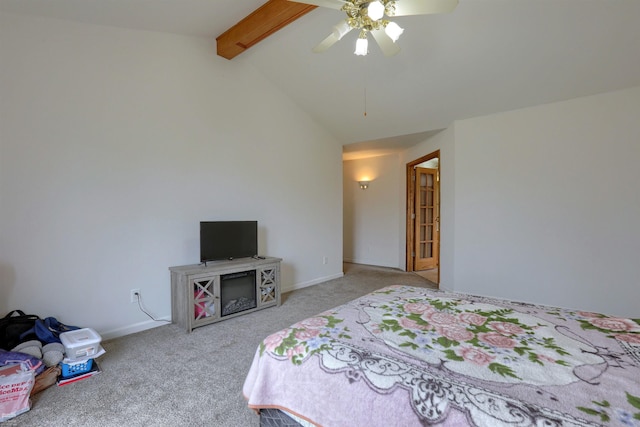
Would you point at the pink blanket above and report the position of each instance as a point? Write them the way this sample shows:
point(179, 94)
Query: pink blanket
point(410, 356)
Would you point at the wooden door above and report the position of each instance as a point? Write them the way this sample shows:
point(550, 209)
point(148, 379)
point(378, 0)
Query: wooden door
point(427, 218)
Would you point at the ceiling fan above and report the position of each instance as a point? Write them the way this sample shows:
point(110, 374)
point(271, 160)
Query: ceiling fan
point(368, 16)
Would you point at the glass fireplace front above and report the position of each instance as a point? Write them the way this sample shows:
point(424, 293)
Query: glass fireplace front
point(237, 292)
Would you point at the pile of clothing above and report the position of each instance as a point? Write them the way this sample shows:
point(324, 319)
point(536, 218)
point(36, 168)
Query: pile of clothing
point(30, 355)
point(29, 334)
point(50, 354)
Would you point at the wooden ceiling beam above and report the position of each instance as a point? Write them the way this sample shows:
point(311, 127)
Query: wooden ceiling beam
point(261, 23)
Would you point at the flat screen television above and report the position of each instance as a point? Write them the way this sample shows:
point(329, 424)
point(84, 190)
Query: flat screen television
point(228, 240)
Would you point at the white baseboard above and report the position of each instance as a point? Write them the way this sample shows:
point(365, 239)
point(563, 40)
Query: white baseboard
point(150, 324)
point(136, 327)
point(371, 262)
point(295, 286)
point(445, 288)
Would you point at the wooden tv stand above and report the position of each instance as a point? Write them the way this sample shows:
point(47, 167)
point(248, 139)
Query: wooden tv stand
point(203, 294)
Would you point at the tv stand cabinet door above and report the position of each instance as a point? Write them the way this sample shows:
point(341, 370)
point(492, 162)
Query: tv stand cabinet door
point(204, 293)
point(268, 283)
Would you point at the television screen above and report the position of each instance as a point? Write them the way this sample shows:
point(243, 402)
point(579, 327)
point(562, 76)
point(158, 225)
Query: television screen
point(228, 240)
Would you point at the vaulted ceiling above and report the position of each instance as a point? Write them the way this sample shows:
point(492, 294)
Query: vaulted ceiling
point(485, 57)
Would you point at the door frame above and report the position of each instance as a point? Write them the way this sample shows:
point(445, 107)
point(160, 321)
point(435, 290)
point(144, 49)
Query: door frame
point(410, 207)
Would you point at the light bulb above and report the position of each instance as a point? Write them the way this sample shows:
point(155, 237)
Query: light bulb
point(393, 30)
point(362, 46)
point(375, 10)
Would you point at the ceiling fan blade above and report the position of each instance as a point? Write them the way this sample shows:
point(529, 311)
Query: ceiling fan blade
point(388, 47)
point(339, 31)
point(423, 7)
point(332, 4)
point(325, 44)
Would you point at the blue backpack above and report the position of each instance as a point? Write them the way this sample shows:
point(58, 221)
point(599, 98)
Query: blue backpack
point(49, 330)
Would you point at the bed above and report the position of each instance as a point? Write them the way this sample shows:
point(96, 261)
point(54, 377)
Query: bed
point(410, 356)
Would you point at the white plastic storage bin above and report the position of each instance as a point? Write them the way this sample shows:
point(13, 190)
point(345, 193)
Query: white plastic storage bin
point(80, 343)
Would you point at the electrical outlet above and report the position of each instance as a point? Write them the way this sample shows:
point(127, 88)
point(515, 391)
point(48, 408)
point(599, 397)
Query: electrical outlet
point(134, 295)
point(325, 260)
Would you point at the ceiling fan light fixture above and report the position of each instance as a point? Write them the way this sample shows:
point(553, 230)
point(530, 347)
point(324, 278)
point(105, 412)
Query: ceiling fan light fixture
point(362, 45)
point(390, 8)
point(372, 16)
point(393, 30)
point(375, 10)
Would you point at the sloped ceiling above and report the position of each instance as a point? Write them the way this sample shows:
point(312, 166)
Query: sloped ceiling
point(485, 57)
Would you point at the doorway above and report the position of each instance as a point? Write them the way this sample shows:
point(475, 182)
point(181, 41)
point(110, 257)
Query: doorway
point(423, 216)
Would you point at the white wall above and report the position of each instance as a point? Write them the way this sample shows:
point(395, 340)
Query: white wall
point(547, 204)
point(371, 224)
point(539, 204)
point(115, 143)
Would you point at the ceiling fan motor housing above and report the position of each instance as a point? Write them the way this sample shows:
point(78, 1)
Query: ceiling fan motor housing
point(358, 14)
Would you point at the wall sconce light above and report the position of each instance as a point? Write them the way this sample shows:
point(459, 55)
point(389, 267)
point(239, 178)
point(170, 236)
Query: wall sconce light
point(363, 184)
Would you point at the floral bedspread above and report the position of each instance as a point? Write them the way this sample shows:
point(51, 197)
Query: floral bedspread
point(406, 356)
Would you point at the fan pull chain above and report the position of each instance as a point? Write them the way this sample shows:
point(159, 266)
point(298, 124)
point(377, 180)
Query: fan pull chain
point(365, 100)
point(365, 85)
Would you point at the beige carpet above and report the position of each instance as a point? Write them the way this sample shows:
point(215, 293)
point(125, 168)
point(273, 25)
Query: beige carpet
point(431, 275)
point(166, 377)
